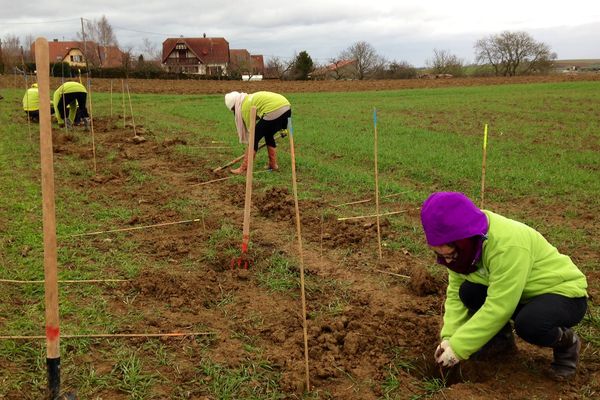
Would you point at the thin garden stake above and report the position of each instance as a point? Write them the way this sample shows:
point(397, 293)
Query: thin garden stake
point(131, 109)
point(89, 82)
point(123, 101)
point(62, 95)
point(368, 200)
point(26, 94)
point(111, 99)
point(135, 228)
point(373, 215)
point(49, 222)
point(485, 133)
point(224, 179)
point(113, 335)
point(377, 184)
point(391, 273)
point(299, 233)
point(68, 281)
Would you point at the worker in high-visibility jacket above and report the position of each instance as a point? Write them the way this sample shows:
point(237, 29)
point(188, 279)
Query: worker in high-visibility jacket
point(501, 270)
point(31, 103)
point(272, 113)
point(70, 95)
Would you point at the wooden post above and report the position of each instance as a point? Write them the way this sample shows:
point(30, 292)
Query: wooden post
point(377, 185)
point(299, 233)
point(250, 167)
point(49, 222)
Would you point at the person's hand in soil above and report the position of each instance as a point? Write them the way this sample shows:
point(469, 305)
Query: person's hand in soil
point(445, 355)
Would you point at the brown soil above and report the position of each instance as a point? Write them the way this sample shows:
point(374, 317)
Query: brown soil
point(380, 318)
point(214, 87)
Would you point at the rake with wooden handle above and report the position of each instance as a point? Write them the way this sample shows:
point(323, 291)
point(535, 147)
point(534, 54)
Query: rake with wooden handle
point(281, 133)
point(244, 261)
point(49, 224)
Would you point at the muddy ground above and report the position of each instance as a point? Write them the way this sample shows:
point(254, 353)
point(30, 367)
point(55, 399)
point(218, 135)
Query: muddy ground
point(363, 322)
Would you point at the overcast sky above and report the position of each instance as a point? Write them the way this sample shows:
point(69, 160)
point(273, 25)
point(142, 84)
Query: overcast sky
point(398, 31)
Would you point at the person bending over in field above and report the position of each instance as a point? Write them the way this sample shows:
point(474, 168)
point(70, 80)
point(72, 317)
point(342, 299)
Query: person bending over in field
point(71, 95)
point(501, 270)
point(272, 113)
point(31, 103)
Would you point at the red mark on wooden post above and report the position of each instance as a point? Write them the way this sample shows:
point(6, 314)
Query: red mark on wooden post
point(52, 333)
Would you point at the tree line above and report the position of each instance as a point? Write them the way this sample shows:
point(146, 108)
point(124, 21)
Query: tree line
point(503, 54)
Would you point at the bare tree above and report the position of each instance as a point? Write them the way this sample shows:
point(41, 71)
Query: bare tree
point(367, 59)
point(101, 33)
point(514, 53)
point(151, 50)
point(29, 40)
point(11, 52)
point(127, 60)
point(444, 62)
point(279, 67)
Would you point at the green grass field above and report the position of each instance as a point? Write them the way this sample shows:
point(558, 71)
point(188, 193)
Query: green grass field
point(543, 167)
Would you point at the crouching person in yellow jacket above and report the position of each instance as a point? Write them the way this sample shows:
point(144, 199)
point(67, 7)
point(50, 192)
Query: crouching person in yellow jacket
point(501, 270)
point(71, 95)
point(272, 113)
point(31, 103)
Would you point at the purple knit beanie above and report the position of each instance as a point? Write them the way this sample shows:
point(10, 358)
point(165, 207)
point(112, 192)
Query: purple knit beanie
point(451, 216)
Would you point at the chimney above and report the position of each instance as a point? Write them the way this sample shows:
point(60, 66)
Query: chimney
point(55, 40)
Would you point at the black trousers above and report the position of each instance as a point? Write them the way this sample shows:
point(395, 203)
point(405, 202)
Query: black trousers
point(33, 115)
point(536, 321)
point(268, 129)
point(70, 98)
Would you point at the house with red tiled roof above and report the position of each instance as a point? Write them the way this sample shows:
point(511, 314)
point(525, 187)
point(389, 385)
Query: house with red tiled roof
point(341, 69)
point(71, 52)
point(240, 61)
point(202, 56)
point(258, 64)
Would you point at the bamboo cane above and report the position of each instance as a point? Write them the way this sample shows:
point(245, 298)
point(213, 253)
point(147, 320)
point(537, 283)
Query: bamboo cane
point(123, 101)
point(485, 133)
point(68, 281)
point(392, 273)
point(377, 185)
point(135, 228)
point(224, 179)
point(372, 215)
point(27, 96)
point(299, 233)
point(49, 222)
point(131, 110)
point(368, 200)
point(112, 335)
point(92, 123)
point(111, 99)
